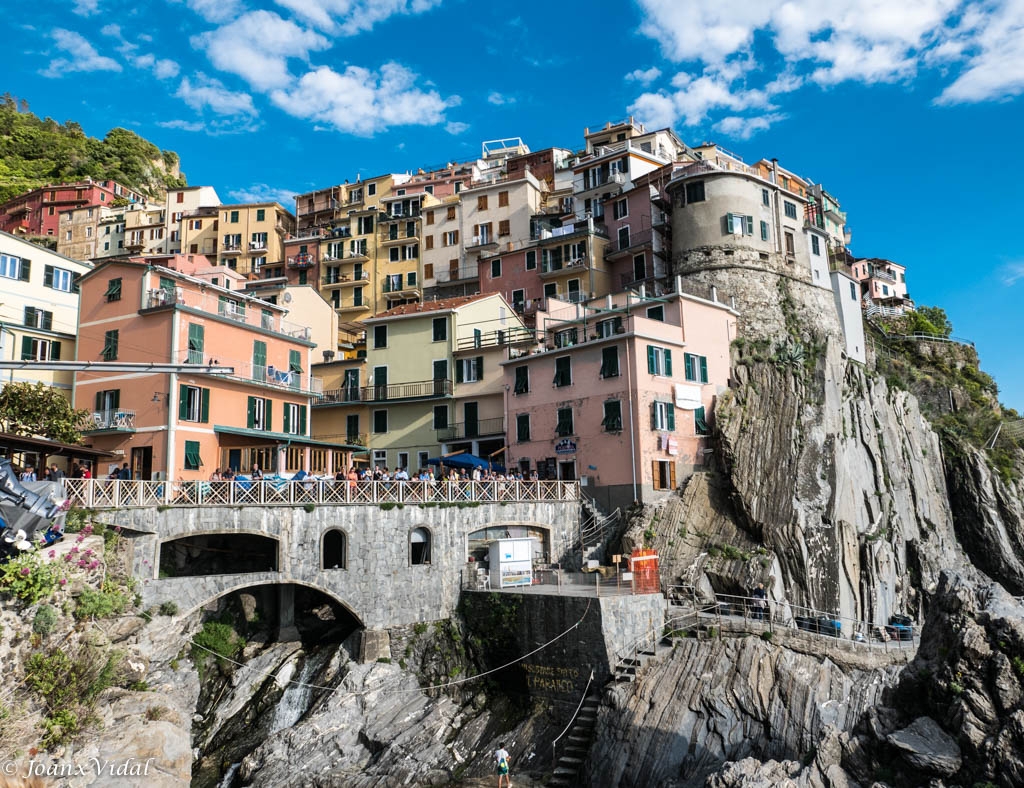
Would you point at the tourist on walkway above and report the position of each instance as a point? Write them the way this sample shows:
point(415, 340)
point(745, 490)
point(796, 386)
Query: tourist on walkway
point(256, 474)
point(760, 602)
point(501, 758)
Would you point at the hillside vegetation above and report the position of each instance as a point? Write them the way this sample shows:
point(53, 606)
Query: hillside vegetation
point(35, 151)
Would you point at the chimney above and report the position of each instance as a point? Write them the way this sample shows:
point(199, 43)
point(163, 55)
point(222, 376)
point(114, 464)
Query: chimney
point(679, 284)
point(328, 356)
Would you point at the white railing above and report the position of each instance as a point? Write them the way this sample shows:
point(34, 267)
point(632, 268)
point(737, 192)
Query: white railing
point(248, 311)
point(278, 375)
point(114, 419)
point(118, 494)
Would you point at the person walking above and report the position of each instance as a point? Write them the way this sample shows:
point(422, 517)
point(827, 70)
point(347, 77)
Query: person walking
point(501, 759)
point(760, 602)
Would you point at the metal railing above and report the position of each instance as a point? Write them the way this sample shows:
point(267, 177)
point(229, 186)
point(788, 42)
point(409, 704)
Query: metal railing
point(247, 311)
point(472, 429)
point(267, 374)
point(118, 494)
point(497, 338)
point(456, 275)
point(394, 391)
point(115, 419)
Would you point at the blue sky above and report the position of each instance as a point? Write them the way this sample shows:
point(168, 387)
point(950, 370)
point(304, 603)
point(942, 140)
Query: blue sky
point(910, 112)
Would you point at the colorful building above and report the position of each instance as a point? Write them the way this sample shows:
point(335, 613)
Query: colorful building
point(38, 310)
point(37, 213)
point(185, 425)
point(883, 286)
point(180, 201)
point(244, 237)
point(619, 393)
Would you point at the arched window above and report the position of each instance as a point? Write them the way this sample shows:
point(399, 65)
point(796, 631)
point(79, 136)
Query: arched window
point(419, 546)
point(333, 552)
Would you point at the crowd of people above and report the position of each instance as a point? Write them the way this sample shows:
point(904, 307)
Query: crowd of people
point(381, 474)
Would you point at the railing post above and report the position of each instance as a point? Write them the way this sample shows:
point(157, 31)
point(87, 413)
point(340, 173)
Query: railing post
point(597, 583)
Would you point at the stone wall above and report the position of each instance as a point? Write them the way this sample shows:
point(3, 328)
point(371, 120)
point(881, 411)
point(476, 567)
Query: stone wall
point(379, 585)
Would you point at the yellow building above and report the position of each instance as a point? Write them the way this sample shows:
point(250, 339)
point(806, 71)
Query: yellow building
point(38, 310)
point(243, 237)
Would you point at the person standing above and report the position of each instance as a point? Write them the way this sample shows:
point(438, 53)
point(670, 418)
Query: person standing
point(760, 602)
point(501, 759)
point(126, 473)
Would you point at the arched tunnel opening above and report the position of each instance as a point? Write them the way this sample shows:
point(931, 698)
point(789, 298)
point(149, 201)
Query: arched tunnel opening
point(217, 554)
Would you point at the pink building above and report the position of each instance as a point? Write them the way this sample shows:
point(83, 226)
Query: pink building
point(38, 212)
point(883, 286)
point(619, 393)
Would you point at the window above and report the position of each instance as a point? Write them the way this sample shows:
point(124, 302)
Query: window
point(193, 404)
point(612, 421)
point(696, 368)
point(394, 255)
point(294, 419)
point(39, 349)
point(620, 210)
point(259, 359)
point(380, 336)
point(364, 226)
point(371, 189)
point(522, 384)
point(259, 241)
point(419, 546)
point(295, 368)
point(885, 290)
point(764, 231)
point(495, 269)
point(659, 360)
point(624, 237)
point(610, 362)
point(179, 197)
point(440, 326)
point(334, 549)
point(739, 225)
point(451, 238)
point(765, 199)
point(853, 291)
point(700, 422)
point(790, 245)
point(410, 252)
point(196, 334)
point(695, 192)
point(261, 214)
point(531, 260)
point(352, 428)
point(113, 292)
point(410, 279)
point(522, 427)
point(380, 458)
point(469, 370)
point(502, 199)
point(193, 462)
point(567, 338)
point(38, 318)
point(656, 313)
point(815, 245)
point(259, 414)
point(663, 416)
point(563, 371)
point(422, 457)
point(440, 417)
point(430, 217)
point(481, 202)
point(58, 278)
point(564, 425)
point(504, 228)
point(109, 352)
point(234, 217)
point(789, 208)
point(664, 475)
point(519, 300)
point(450, 216)
point(380, 421)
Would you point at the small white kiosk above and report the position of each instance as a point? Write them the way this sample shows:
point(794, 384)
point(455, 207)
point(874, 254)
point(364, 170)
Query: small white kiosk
point(511, 562)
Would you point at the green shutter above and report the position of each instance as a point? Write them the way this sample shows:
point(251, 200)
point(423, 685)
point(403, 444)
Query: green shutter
point(48, 276)
point(26, 269)
point(182, 402)
point(703, 369)
point(688, 368)
point(117, 398)
point(750, 225)
point(54, 351)
point(458, 370)
point(652, 363)
point(268, 414)
point(99, 400)
point(259, 359)
point(302, 419)
point(479, 367)
point(205, 406)
point(700, 423)
point(670, 412)
point(196, 342)
point(668, 362)
point(251, 418)
point(287, 418)
point(26, 348)
point(295, 361)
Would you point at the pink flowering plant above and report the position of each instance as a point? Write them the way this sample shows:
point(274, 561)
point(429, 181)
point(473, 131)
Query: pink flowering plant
point(28, 578)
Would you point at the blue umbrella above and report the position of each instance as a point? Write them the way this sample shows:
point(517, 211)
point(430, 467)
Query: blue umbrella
point(467, 461)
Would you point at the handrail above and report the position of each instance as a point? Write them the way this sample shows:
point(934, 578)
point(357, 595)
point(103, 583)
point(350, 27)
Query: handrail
point(572, 720)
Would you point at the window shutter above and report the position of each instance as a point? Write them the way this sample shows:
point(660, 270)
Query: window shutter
point(182, 401)
point(750, 225)
point(458, 370)
point(670, 417)
point(654, 415)
point(655, 475)
point(728, 223)
point(703, 369)
point(204, 415)
point(668, 362)
point(251, 419)
point(117, 398)
point(269, 413)
point(688, 369)
point(287, 418)
point(48, 276)
point(54, 351)
point(302, 419)
point(26, 268)
point(652, 364)
point(672, 475)
point(99, 400)
point(26, 348)
point(479, 367)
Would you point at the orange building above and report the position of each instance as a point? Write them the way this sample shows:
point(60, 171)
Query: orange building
point(185, 425)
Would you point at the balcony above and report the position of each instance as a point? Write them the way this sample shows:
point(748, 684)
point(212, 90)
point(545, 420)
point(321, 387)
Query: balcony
point(277, 376)
point(550, 270)
point(352, 309)
point(301, 261)
point(619, 247)
point(608, 181)
point(423, 389)
point(115, 420)
point(481, 242)
point(256, 246)
point(498, 338)
point(344, 280)
point(472, 429)
point(392, 238)
point(460, 274)
point(231, 249)
point(399, 289)
point(357, 255)
point(247, 311)
point(882, 273)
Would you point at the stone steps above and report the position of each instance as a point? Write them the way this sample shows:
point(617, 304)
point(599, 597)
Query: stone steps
point(577, 745)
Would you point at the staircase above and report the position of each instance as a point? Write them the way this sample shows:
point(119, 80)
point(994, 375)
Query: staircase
point(628, 667)
point(594, 530)
point(577, 745)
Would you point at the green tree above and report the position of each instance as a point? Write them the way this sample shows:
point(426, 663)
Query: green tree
point(40, 410)
point(936, 318)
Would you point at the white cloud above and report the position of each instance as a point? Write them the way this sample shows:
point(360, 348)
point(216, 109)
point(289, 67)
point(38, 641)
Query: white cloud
point(695, 98)
point(996, 69)
point(644, 77)
point(206, 93)
point(165, 69)
point(499, 99)
point(86, 7)
point(261, 192)
point(216, 10)
point(257, 47)
point(1011, 273)
point(111, 30)
point(183, 125)
point(349, 17)
point(744, 128)
point(456, 127)
point(83, 55)
point(363, 102)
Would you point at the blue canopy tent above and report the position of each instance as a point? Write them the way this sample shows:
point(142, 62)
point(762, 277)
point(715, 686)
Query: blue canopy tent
point(467, 461)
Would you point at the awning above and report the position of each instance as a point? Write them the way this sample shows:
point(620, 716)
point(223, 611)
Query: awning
point(10, 443)
point(283, 437)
